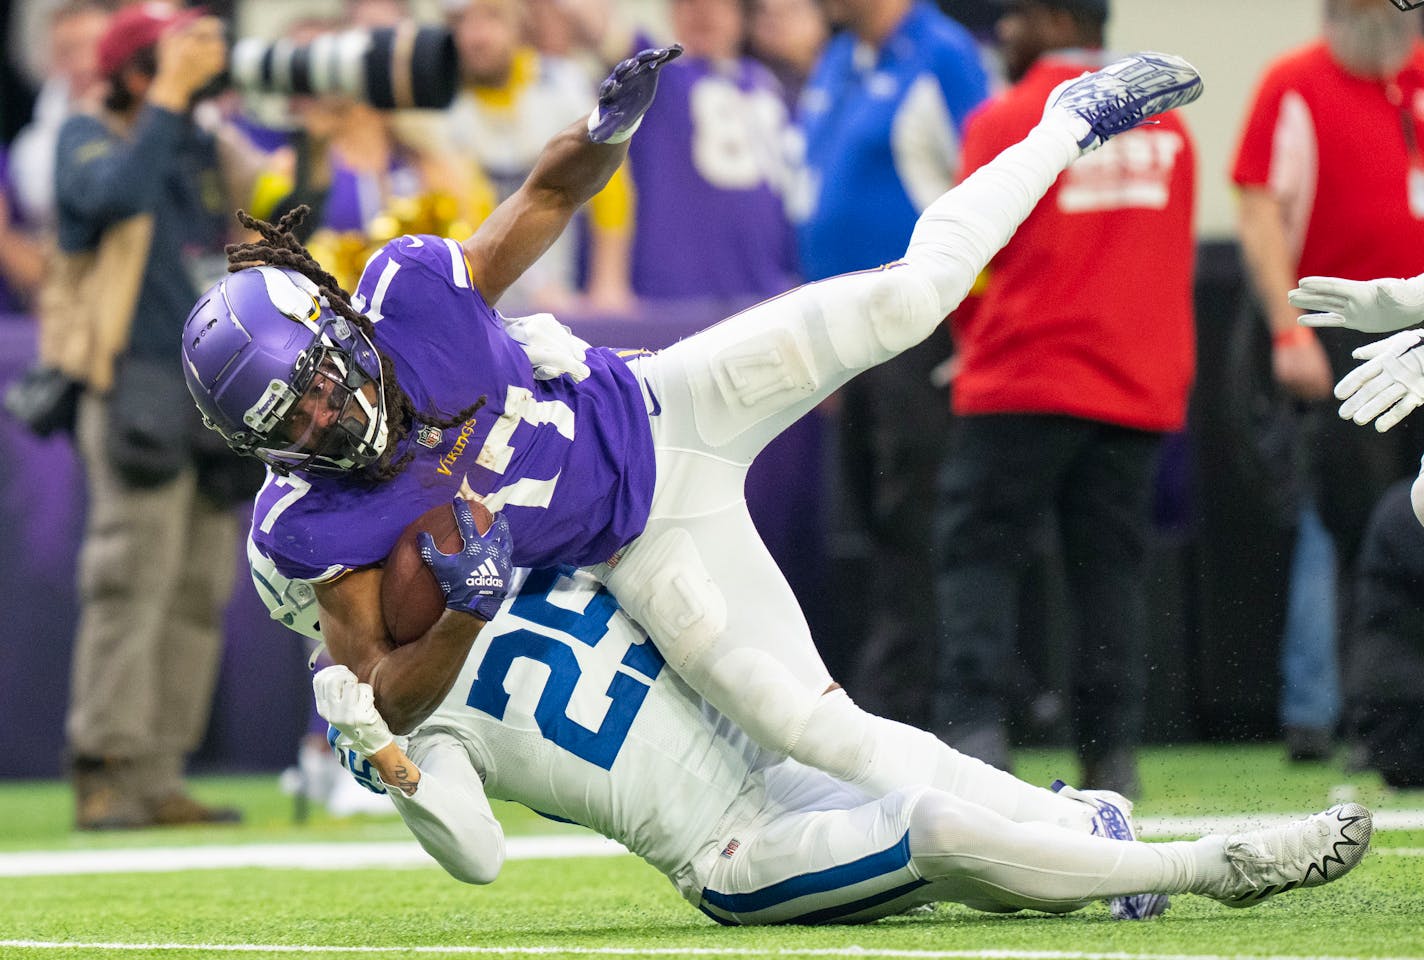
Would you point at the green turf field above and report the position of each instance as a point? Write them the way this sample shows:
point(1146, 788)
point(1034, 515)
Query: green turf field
point(620, 907)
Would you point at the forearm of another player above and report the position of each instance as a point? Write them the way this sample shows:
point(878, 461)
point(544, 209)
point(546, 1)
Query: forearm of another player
point(410, 681)
point(446, 808)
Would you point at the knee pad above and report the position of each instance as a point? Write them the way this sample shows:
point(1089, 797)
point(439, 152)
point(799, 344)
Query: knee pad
point(757, 692)
point(663, 584)
point(754, 378)
point(870, 317)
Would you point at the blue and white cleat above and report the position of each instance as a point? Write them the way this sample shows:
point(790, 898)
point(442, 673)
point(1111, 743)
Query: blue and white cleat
point(1113, 819)
point(1126, 93)
point(1306, 853)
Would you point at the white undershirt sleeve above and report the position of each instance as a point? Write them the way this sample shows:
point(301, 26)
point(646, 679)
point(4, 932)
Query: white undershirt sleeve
point(449, 813)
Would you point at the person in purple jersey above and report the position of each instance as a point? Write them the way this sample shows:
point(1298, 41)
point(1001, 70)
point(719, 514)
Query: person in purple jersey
point(709, 170)
point(632, 466)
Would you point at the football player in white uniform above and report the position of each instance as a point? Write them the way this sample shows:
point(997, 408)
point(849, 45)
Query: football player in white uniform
point(564, 705)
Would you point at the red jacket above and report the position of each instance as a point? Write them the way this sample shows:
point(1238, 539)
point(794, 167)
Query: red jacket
point(1088, 310)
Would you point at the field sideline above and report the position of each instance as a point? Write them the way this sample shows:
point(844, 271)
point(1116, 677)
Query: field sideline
point(359, 888)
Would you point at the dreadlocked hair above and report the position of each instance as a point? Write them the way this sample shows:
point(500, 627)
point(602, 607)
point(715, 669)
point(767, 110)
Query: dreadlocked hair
point(279, 247)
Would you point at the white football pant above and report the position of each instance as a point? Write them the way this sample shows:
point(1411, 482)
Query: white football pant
point(698, 578)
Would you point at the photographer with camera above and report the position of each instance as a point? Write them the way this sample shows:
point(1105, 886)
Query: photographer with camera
point(143, 194)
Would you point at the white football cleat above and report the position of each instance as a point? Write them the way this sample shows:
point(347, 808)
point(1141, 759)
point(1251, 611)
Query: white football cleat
point(1125, 94)
point(1306, 853)
point(1112, 818)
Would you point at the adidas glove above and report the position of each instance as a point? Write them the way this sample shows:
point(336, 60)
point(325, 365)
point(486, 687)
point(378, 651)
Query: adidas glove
point(1388, 385)
point(627, 94)
point(476, 579)
point(349, 706)
point(551, 347)
point(1374, 306)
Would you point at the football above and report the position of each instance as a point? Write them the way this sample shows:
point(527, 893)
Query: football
point(411, 599)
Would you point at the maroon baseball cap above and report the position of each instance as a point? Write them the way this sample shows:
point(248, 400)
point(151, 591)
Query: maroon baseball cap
point(136, 27)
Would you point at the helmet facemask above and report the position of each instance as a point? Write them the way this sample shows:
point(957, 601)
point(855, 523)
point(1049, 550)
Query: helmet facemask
point(325, 415)
point(328, 421)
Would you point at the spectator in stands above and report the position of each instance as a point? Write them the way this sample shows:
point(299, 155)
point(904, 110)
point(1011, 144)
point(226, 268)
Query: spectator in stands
point(882, 116)
point(709, 170)
point(71, 82)
point(1067, 381)
point(787, 36)
point(512, 101)
point(139, 192)
point(1316, 201)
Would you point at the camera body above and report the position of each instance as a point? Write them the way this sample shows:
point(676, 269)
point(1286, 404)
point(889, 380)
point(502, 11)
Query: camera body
point(393, 68)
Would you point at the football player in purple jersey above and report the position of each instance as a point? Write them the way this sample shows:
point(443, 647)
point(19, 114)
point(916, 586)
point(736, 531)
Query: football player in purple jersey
point(417, 390)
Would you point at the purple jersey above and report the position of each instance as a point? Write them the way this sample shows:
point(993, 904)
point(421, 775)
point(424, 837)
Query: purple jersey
point(708, 168)
point(569, 464)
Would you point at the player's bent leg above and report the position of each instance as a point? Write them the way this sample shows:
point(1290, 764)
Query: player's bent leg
point(880, 755)
point(972, 855)
point(731, 388)
point(752, 658)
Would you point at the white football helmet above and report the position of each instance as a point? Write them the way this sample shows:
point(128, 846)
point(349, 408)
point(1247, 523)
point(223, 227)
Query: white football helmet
point(293, 602)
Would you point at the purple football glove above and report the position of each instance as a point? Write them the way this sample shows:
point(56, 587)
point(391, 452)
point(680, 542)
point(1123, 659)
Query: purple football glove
point(476, 579)
point(625, 96)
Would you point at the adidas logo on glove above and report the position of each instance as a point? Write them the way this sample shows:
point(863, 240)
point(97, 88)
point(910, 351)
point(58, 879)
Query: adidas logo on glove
point(487, 575)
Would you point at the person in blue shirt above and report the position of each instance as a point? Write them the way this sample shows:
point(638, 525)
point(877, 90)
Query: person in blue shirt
point(882, 115)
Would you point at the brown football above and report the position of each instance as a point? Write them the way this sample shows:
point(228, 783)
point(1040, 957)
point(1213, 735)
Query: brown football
point(411, 599)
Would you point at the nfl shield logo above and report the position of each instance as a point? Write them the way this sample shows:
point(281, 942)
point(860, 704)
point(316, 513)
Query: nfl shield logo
point(429, 437)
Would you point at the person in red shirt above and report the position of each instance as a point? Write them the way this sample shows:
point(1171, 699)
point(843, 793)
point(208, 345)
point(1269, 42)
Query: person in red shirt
point(1073, 364)
point(1330, 170)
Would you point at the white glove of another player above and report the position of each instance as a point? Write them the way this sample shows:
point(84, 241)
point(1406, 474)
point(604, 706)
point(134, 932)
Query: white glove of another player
point(1388, 385)
point(552, 348)
point(350, 706)
point(1374, 306)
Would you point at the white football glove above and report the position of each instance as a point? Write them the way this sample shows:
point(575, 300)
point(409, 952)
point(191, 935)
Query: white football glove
point(350, 707)
point(1388, 385)
point(552, 348)
point(1374, 306)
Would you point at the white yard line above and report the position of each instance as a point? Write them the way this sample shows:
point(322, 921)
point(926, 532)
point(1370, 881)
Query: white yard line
point(1158, 827)
point(848, 951)
point(407, 854)
point(287, 856)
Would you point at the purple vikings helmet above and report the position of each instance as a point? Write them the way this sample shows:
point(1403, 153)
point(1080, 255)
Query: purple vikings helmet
point(261, 340)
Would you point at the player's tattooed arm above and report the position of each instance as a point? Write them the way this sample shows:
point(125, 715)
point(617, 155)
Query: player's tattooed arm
point(409, 681)
point(396, 769)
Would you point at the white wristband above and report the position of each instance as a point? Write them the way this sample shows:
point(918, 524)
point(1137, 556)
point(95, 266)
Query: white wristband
point(595, 118)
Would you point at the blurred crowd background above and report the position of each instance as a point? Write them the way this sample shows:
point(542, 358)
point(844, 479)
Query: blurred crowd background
point(1095, 516)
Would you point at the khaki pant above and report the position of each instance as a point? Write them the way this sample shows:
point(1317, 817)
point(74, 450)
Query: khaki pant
point(155, 573)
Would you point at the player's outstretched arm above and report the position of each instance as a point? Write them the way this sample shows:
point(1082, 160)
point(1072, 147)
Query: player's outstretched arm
point(1374, 306)
point(441, 800)
point(572, 167)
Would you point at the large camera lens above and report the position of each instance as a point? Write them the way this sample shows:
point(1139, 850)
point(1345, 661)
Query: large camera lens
point(391, 67)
